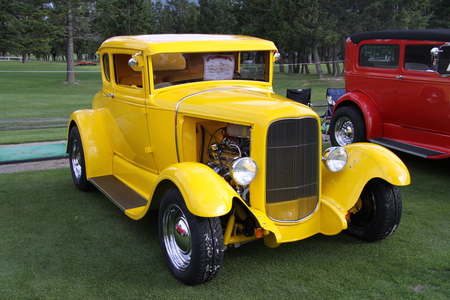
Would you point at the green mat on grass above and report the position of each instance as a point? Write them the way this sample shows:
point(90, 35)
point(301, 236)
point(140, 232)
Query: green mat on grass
point(32, 152)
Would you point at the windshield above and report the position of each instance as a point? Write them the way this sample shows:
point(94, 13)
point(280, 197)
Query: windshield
point(180, 68)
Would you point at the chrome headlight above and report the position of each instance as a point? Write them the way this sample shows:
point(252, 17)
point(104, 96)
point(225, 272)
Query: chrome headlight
point(243, 170)
point(335, 158)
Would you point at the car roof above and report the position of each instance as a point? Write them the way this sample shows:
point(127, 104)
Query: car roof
point(442, 35)
point(180, 43)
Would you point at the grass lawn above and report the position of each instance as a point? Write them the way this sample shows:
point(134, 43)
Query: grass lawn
point(35, 104)
point(60, 243)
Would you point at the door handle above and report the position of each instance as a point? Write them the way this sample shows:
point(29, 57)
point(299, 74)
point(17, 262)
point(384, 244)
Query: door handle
point(399, 77)
point(110, 95)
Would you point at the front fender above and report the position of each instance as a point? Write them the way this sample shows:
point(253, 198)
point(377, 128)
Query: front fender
point(365, 162)
point(205, 193)
point(96, 146)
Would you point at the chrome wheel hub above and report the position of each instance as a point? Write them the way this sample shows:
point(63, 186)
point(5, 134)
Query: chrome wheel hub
point(75, 159)
point(177, 237)
point(344, 132)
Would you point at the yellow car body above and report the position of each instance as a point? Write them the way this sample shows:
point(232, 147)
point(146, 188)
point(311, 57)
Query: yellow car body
point(176, 111)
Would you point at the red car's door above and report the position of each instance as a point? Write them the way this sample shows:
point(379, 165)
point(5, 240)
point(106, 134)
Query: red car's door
point(424, 95)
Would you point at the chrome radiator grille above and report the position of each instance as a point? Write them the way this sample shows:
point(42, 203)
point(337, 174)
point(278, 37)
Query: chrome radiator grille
point(292, 179)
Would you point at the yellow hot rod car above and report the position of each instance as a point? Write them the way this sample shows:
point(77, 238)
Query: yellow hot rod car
point(190, 125)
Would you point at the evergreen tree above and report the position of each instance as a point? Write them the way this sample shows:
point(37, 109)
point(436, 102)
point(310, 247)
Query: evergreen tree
point(25, 28)
point(183, 14)
point(216, 16)
point(439, 13)
point(122, 17)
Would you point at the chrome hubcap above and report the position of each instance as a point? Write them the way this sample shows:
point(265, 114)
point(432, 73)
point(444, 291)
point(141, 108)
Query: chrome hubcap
point(344, 132)
point(177, 237)
point(75, 159)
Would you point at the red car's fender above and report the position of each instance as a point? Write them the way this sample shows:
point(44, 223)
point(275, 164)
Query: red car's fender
point(372, 118)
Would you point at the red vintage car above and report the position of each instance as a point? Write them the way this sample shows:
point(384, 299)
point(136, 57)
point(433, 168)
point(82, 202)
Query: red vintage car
point(398, 92)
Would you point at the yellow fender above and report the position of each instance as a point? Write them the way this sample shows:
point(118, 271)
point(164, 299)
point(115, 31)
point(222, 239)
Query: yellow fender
point(365, 162)
point(206, 193)
point(96, 146)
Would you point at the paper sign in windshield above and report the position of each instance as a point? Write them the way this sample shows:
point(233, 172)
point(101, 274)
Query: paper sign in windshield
point(219, 67)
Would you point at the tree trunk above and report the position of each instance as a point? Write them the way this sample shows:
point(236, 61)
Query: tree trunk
point(336, 67)
point(291, 62)
point(24, 58)
point(281, 63)
point(70, 60)
point(297, 63)
point(317, 61)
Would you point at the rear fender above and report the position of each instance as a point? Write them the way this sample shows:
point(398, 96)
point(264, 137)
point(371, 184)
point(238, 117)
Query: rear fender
point(365, 162)
point(205, 193)
point(372, 118)
point(96, 146)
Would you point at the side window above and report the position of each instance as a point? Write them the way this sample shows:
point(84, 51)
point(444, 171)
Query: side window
point(379, 56)
point(106, 69)
point(124, 75)
point(418, 58)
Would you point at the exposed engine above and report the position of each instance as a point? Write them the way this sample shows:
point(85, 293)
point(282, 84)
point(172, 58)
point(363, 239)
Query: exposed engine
point(225, 146)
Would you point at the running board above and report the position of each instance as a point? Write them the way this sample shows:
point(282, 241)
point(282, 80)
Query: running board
point(408, 148)
point(118, 192)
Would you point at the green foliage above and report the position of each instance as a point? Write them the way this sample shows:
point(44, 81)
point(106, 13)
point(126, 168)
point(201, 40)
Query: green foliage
point(299, 28)
point(184, 16)
point(26, 27)
point(216, 16)
point(122, 17)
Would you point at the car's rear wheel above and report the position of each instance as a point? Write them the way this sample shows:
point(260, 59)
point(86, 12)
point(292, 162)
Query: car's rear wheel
point(77, 160)
point(347, 126)
point(192, 246)
point(377, 213)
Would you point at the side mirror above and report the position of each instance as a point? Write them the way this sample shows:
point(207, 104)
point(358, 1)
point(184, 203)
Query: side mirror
point(132, 62)
point(135, 61)
point(435, 51)
point(276, 56)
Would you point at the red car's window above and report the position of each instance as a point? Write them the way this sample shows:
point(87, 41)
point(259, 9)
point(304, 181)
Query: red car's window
point(379, 56)
point(418, 58)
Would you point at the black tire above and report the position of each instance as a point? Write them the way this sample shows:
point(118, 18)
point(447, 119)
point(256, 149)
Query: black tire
point(77, 161)
point(192, 246)
point(347, 126)
point(377, 213)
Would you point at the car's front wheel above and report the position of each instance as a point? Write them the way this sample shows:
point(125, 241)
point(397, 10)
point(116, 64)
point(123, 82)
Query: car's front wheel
point(377, 213)
point(77, 160)
point(192, 246)
point(347, 126)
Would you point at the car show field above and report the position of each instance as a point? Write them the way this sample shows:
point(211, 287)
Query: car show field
point(59, 242)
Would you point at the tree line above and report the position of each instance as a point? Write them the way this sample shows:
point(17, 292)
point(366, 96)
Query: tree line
point(303, 30)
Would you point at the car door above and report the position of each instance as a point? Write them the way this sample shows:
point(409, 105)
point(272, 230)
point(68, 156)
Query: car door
point(376, 75)
point(128, 124)
point(423, 94)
